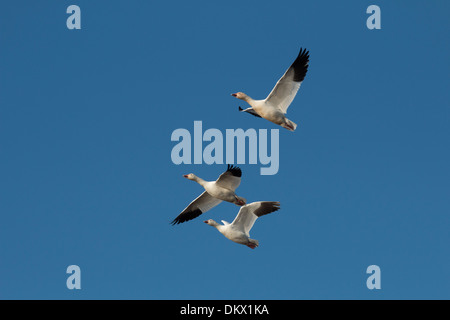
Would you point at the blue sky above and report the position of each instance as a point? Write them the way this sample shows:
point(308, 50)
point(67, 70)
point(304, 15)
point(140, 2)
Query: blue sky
point(87, 177)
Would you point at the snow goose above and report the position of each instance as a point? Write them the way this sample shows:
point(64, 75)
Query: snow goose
point(215, 192)
point(238, 230)
point(275, 106)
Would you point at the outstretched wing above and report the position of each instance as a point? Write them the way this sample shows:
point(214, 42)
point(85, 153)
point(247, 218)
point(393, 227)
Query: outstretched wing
point(249, 213)
point(251, 111)
point(200, 205)
point(286, 88)
point(230, 179)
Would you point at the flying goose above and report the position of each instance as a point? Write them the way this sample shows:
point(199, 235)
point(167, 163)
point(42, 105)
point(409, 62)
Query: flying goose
point(275, 106)
point(238, 230)
point(215, 192)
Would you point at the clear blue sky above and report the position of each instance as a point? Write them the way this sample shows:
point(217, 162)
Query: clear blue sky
point(87, 179)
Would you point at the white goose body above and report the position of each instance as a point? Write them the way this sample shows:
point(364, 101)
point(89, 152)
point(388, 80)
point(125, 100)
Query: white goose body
point(275, 106)
point(238, 230)
point(217, 191)
point(233, 233)
point(265, 109)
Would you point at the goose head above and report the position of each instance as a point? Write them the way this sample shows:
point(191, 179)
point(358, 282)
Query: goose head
point(211, 222)
point(239, 95)
point(189, 176)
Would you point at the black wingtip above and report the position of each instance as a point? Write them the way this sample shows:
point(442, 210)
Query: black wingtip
point(303, 53)
point(240, 109)
point(300, 65)
point(275, 205)
point(235, 171)
point(186, 216)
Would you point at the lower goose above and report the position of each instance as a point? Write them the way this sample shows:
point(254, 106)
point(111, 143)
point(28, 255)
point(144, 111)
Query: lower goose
point(238, 230)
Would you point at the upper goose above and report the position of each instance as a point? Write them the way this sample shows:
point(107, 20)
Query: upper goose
point(275, 106)
point(238, 230)
point(215, 192)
